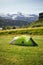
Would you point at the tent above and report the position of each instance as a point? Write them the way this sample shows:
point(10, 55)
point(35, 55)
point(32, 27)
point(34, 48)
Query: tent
point(23, 41)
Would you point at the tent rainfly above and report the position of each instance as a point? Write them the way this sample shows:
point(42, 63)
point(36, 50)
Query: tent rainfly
point(23, 41)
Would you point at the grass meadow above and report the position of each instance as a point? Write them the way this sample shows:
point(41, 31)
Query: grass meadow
point(31, 31)
point(20, 55)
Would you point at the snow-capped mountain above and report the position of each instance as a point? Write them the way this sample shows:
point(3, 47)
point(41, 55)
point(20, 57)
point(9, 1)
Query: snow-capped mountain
point(18, 19)
point(20, 16)
point(25, 17)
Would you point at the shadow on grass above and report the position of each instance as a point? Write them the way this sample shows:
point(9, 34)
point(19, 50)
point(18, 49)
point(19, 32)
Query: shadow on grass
point(26, 45)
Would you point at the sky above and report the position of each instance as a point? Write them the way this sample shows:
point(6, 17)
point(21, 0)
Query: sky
point(23, 6)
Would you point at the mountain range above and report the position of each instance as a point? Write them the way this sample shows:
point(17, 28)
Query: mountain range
point(18, 19)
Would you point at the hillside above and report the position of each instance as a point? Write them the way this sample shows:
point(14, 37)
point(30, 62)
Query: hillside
point(38, 23)
point(10, 22)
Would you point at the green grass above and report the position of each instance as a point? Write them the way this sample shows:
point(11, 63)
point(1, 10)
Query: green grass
point(30, 31)
point(38, 23)
point(20, 55)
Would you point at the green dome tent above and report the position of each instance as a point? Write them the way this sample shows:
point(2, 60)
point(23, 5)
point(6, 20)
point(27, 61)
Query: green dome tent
point(23, 41)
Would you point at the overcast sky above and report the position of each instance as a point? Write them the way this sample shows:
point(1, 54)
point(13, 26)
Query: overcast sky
point(24, 6)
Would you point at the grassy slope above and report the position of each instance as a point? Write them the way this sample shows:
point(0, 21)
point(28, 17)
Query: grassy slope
point(38, 30)
point(38, 23)
point(20, 55)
